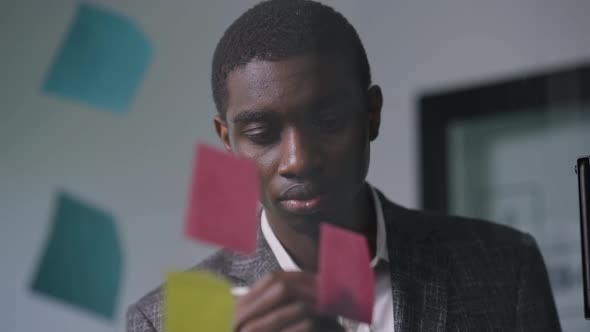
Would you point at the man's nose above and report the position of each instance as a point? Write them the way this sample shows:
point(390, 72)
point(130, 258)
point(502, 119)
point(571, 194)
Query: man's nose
point(299, 157)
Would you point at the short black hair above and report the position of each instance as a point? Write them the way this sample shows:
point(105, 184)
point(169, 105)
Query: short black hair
point(277, 29)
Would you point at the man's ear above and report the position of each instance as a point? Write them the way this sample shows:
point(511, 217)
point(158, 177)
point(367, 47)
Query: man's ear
point(375, 103)
point(222, 131)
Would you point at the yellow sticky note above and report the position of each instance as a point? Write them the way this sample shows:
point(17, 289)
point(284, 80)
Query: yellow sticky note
point(197, 301)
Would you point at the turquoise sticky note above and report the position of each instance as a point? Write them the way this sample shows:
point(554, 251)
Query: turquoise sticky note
point(101, 61)
point(82, 261)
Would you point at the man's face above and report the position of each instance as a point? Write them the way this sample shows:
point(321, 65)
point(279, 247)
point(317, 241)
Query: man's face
point(307, 124)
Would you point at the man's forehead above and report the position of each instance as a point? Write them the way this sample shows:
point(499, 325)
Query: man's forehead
point(295, 79)
point(263, 74)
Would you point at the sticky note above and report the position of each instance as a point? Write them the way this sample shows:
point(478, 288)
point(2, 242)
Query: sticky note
point(223, 200)
point(197, 301)
point(101, 61)
point(346, 281)
point(82, 261)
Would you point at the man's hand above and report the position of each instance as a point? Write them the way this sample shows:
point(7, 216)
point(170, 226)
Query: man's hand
point(282, 301)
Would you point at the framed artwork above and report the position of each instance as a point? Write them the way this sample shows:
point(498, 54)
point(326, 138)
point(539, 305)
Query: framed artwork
point(505, 151)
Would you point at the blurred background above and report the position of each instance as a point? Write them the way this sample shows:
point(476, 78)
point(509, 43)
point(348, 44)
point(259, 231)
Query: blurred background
point(137, 164)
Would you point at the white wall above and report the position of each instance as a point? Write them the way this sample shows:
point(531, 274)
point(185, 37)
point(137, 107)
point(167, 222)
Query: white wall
point(138, 164)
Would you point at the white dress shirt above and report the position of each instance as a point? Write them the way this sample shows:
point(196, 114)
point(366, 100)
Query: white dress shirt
point(383, 306)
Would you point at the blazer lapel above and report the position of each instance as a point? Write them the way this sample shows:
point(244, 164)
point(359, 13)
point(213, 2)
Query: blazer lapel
point(418, 269)
point(245, 270)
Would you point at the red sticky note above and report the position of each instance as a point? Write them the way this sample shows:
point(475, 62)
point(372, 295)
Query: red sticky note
point(346, 281)
point(223, 200)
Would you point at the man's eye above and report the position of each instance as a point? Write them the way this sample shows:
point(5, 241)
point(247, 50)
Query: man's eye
point(260, 136)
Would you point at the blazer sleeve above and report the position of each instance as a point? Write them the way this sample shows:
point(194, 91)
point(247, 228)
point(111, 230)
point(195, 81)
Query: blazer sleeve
point(137, 321)
point(535, 308)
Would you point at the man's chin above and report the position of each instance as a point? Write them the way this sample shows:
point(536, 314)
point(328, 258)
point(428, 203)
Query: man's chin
point(309, 224)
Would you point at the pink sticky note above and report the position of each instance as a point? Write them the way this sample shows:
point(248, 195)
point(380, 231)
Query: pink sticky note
point(346, 281)
point(222, 207)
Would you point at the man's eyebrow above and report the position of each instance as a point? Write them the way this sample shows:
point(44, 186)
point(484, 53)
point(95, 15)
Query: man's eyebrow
point(248, 116)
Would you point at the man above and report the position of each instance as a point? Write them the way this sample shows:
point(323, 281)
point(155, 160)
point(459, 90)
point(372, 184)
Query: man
point(293, 91)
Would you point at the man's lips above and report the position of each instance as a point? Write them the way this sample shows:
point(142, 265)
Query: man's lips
point(303, 206)
point(301, 199)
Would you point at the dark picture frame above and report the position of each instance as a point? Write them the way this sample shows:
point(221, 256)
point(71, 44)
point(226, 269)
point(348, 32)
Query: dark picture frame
point(436, 110)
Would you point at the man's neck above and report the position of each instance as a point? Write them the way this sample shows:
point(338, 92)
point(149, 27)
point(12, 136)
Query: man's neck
point(302, 243)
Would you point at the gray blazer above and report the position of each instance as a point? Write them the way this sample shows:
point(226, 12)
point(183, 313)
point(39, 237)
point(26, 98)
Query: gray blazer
point(447, 274)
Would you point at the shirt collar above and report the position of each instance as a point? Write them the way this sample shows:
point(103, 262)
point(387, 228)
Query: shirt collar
point(287, 263)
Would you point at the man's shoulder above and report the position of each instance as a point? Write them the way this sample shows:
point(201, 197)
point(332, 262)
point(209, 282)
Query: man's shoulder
point(464, 230)
point(455, 232)
point(146, 313)
point(475, 246)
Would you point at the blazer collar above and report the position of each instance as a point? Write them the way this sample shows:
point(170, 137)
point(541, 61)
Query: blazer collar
point(246, 269)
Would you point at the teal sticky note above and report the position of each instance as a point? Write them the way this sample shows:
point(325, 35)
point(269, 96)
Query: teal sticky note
point(82, 261)
point(101, 61)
